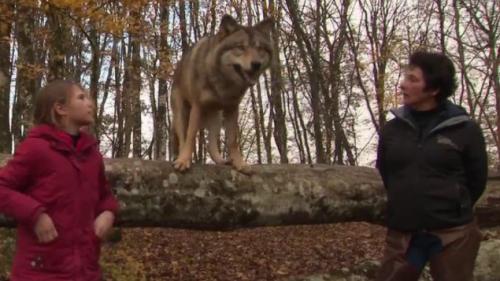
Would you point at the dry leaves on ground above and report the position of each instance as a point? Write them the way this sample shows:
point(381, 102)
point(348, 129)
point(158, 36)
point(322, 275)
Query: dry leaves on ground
point(266, 253)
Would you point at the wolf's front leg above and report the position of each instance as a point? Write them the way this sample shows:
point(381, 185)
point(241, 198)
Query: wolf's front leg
point(231, 124)
point(183, 162)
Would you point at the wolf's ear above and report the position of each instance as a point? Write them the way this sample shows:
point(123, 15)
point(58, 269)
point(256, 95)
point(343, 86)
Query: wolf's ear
point(265, 26)
point(228, 24)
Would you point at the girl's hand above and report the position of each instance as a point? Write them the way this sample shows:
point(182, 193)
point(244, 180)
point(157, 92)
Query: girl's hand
point(103, 224)
point(44, 229)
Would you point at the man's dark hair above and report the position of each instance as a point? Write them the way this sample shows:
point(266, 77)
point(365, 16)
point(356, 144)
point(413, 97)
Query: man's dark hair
point(438, 71)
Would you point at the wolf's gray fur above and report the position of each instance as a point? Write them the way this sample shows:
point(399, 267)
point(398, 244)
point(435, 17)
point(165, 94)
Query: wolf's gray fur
point(209, 83)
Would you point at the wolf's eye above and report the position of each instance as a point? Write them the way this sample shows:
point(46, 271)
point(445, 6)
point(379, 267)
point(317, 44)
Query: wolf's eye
point(240, 48)
point(263, 50)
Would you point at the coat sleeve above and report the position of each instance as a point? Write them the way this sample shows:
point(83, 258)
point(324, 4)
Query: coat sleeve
point(107, 201)
point(15, 177)
point(380, 163)
point(475, 163)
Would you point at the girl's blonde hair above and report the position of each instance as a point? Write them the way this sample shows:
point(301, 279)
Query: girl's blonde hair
point(57, 91)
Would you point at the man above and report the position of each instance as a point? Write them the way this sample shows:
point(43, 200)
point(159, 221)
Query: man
point(433, 162)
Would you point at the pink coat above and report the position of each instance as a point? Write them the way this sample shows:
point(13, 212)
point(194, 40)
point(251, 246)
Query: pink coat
point(47, 174)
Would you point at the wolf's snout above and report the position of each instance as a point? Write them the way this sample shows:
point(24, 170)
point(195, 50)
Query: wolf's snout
point(256, 66)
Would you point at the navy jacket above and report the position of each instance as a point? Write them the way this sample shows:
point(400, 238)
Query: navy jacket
point(433, 177)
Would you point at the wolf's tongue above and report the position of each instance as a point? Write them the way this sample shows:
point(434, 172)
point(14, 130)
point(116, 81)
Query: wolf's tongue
point(248, 78)
point(244, 75)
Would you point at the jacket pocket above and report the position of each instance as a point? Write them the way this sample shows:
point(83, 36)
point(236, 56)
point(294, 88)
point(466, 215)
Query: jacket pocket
point(49, 259)
point(92, 252)
point(464, 199)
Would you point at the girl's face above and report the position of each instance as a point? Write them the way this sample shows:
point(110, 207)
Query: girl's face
point(78, 110)
point(413, 90)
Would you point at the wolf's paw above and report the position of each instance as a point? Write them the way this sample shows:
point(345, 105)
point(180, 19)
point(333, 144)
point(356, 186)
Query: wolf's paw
point(222, 161)
point(182, 164)
point(243, 168)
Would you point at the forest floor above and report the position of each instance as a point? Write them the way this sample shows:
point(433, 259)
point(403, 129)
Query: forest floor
point(264, 253)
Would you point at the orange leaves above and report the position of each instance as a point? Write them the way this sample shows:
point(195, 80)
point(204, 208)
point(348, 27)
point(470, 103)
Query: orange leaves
point(31, 71)
point(71, 4)
point(113, 24)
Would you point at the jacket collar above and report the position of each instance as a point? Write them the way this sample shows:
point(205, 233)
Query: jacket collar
point(451, 114)
point(61, 140)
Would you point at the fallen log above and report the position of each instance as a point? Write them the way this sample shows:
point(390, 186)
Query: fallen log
point(152, 193)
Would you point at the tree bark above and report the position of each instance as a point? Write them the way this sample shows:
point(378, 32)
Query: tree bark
point(27, 74)
point(58, 38)
point(152, 193)
point(135, 89)
point(313, 70)
point(280, 131)
point(266, 134)
point(6, 19)
point(165, 66)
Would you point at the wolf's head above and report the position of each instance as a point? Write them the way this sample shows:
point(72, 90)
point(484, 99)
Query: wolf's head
point(244, 51)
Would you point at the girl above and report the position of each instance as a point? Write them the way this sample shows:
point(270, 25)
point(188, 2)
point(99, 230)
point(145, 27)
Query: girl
point(55, 188)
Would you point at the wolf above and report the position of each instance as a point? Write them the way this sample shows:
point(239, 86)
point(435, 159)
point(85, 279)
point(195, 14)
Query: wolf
point(209, 83)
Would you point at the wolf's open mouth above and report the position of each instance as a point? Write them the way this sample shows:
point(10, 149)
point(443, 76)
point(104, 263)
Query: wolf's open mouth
point(244, 76)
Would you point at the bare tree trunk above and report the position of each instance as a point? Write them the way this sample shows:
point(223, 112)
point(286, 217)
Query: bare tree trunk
point(25, 80)
point(165, 65)
point(496, 80)
point(6, 20)
point(380, 20)
point(152, 73)
point(465, 85)
point(280, 132)
point(95, 71)
point(266, 134)
point(441, 16)
point(293, 112)
point(497, 95)
point(107, 85)
point(183, 25)
point(314, 74)
point(269, 128)
point(126, 100)
point(58, 38)
point(213, 16)
point(336, 54)
point(354, 45)
point(117, 149)
point(296, 107)
point(74, 57)
point(485, 20)
point(135, 87)
point(256, 125)
point(194, 8)
point(253, 99)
